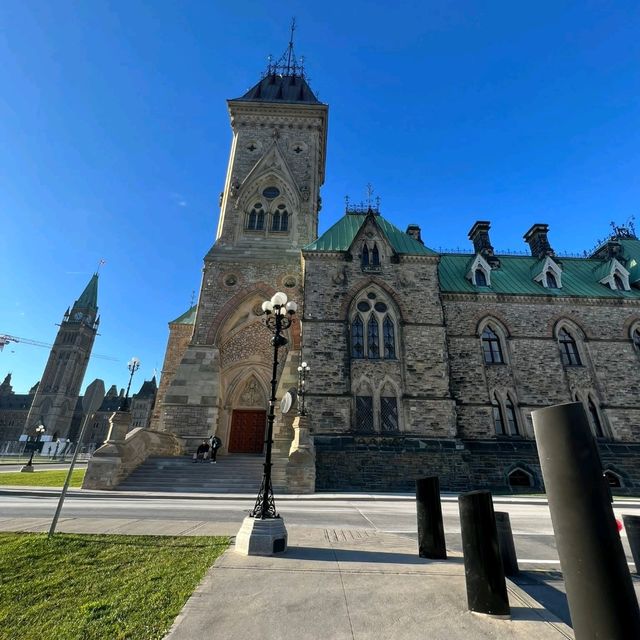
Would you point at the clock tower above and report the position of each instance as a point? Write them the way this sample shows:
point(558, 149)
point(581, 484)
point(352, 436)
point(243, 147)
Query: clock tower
point(58, 391)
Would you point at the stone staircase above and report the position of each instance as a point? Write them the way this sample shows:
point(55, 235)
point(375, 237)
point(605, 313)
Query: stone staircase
point(231, 474)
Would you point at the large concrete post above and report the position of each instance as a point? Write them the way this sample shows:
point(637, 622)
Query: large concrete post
point(431, 542)
point(632, 527)
point(486, 585)
point(507, 546)
point(601, 597)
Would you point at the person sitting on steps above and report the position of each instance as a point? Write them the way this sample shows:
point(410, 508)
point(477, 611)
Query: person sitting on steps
point(216, 443)
point(201, 452)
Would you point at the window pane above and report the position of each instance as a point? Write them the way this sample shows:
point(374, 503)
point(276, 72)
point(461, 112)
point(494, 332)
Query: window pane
point(365, 256)
point(375, 256)
point(481, 279)
point(373, 342)
point(491, 347)
point(284, 221)
point(389, 338)
point(357, 338)
point(568, 349)
point(511, 420)
point(260, 221)
point(364, 413)
point(595, 419)
point(552, 283)
point(389, 414)
point(275, 222)
point(498, 422)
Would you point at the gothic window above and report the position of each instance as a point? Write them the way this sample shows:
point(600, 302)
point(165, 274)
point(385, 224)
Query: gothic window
point(388, 414)
point(491, 348)
point(280, 219)
point(365, 256)
point(364, 413)
point(619, 285)
point(357, 338)
point(552, 283)
point(613, 479)
point(481, 278)
point(498, 418)
point(373, 344)
point(389, 338)
point(255, 219)
point(635, 337)
point(595, 419)
point(375, 256)
point(520, 478)
point(568, 349)
point(512, 419)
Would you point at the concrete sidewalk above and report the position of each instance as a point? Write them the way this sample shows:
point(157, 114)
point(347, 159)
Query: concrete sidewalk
point(349, 584)
point(353, 584)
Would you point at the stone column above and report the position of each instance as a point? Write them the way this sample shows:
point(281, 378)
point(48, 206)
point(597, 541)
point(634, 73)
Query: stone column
point(301, 471)
point(119, 424)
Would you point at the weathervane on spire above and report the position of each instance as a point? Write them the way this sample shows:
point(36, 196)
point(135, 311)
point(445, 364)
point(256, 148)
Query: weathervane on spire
point(287, 64)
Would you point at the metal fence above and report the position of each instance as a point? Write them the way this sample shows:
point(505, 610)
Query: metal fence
point(16, 451)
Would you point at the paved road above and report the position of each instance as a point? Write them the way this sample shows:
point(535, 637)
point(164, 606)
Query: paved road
point(530, 522)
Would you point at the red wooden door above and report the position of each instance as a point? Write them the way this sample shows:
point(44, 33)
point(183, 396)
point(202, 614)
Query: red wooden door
point(247, 431)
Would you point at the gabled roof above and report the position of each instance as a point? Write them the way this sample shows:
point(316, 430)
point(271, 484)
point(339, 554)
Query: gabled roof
point(188, 317)
point(89, 297)
point(514, 276)
point(148, 388)
point(280, 88)
point(340, 236)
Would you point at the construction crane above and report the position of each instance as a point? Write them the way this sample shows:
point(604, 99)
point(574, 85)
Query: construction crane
point(5, 339)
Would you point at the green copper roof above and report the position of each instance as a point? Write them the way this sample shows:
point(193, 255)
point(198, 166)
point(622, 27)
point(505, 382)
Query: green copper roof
point(580, 277)
point(340, 236)
point(188, 317)
point(89, 297)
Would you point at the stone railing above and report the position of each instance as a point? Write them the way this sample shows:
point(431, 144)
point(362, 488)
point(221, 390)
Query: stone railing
point(123, 452)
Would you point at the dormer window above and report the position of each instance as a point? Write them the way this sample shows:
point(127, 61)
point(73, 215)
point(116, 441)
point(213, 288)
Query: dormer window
point(549, 275)
point(479, 272)
point(617, 277)
point(370, 257)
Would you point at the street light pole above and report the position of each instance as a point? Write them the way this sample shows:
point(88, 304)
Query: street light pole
point(40, 429)
point(133, 365)
point(279, 316)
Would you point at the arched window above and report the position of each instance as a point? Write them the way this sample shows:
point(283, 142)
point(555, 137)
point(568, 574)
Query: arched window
point(388, 413)
point(280, 219)
point(618, 282)
point(498, 418)
point(375, 256)
point(491, 348)
point(595, 419)
point(613, 479)
point(364, 413)
point(388, 334)
point(373, 343)
point(635, 337)
point(552, 283)
point(365, 256)
point(520, 478)
point(357, 338)
point(568, 349)
point(512, 420)
point(255, 219)
point(481, 278)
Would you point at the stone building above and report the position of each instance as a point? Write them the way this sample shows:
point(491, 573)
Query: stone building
point(421, 363)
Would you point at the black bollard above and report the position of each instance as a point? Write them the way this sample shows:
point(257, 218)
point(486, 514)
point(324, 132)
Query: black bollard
point(505, 542)
point(431, 543)
point(632, 527)
point(600, 593)
point(486, 585)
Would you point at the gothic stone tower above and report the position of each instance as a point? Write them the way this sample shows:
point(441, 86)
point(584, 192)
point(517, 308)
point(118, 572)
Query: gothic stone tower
point(269, 211)
point(59, 388)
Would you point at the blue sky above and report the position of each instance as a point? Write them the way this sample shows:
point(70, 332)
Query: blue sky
point(114, 139)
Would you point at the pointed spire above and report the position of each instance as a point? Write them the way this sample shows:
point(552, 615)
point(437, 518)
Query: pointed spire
point(89, 297)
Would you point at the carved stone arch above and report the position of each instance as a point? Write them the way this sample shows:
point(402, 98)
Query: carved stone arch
point(498, 325)
point(358, 288)
point(516, 474)
point(260, 290)
point(631, 331)
point(612, 474)
point(575, 329)
point(250, 392)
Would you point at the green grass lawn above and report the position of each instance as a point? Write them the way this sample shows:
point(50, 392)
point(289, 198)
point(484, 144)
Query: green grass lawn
point(37, 478)
point(98, 587)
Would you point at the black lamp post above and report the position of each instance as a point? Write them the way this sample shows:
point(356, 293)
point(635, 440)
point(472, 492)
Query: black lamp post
point(40, 429)
point(303, 370)
point(133, 365)
point(279, 316)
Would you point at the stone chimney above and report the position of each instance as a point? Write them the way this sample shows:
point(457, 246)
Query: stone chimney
point(479, 235)
point(538, 242)
point(614, 249)
point(413, 230)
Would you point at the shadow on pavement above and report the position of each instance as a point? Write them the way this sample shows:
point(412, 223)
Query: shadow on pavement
point(330, 554)
point(539, 588)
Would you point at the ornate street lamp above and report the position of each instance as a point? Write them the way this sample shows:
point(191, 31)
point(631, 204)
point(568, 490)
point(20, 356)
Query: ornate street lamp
point(303, 370)
point(133, 365)
point(279, 316)
point(40, 429)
